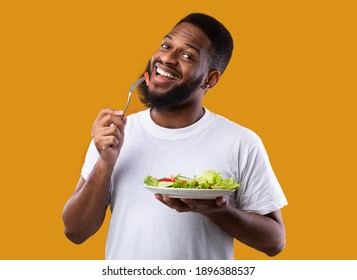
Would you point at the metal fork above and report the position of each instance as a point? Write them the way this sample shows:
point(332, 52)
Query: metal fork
point(133, 86)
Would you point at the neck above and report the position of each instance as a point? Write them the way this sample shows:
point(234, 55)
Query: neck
point(177, 117)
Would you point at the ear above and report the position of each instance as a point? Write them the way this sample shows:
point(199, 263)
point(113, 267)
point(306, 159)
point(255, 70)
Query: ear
point(212, 79)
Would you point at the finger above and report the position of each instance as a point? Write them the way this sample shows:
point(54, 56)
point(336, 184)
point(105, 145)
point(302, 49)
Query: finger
point(110, 131)
point(159, 197)
point(118, 121)
point(113, 120)
point(206, 205)
point(176, 203)
point(108, 111)
point(109, 120)
point(198, 205)
point(123, 119)
point(191, 203)
point(99, 133)
point(108, 116)
point(107, 142)
point(222, 202)
point(102, 121)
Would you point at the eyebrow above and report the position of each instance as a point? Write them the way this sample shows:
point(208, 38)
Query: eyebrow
point(197, 49)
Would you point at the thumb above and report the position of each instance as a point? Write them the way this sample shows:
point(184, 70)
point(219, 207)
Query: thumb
point(222, 202)
point(124, 119)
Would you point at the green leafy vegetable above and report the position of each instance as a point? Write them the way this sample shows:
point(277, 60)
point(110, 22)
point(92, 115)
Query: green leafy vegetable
point(151, 181)
point(210, 179)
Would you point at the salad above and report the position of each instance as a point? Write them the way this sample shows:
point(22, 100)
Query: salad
point(210, 179)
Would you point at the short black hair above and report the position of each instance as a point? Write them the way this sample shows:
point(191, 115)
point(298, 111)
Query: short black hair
point(220, 37)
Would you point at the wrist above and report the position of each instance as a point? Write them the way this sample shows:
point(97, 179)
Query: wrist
point(217, 213)
point(104, 166)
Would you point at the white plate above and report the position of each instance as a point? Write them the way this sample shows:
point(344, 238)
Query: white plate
point(189, 193)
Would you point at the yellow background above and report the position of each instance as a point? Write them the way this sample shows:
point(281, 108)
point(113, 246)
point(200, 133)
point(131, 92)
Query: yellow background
point(292, 79)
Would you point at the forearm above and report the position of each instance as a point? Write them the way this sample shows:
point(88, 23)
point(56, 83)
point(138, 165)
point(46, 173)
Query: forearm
point(84, 212)
point(264, 233)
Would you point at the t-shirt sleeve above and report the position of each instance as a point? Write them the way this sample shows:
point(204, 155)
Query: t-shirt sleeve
point(260, 190)
point(91, 159)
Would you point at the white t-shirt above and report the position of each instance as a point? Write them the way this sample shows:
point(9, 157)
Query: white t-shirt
point(141, 227)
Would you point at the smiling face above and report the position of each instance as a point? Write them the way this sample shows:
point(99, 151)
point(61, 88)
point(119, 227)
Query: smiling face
point(178, 69)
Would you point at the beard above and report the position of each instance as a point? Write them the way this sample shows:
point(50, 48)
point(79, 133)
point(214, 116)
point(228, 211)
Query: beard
point(170, 99)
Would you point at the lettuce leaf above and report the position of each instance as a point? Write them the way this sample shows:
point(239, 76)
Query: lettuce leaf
point(151, 181)
point(210, 179)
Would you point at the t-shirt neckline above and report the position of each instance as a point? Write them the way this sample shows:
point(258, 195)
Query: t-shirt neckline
point(176, 133)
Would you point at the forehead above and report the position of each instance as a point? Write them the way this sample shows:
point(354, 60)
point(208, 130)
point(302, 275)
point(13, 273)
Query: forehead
point(190, 35)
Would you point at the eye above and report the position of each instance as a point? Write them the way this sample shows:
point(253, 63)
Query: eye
point(165, 46)
point(187, 56)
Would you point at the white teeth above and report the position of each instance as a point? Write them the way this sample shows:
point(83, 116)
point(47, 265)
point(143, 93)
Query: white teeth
point(163, 73)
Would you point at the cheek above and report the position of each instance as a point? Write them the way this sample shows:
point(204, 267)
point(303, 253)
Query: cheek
point(156, 56)
point(152, 63)
point(191, 73)
point(150, 67)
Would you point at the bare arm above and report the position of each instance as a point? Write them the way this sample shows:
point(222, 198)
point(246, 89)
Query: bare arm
point(264, 233)
point(85, 210)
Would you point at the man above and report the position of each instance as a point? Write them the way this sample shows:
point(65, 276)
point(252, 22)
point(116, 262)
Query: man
point(177, 135)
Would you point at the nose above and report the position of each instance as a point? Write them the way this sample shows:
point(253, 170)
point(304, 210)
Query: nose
point(169, 57)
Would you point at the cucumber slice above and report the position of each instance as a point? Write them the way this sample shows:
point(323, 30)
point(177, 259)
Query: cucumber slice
point(164, 184)
point(183, 178)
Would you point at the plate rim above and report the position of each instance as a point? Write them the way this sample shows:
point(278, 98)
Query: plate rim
point(190, 191)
